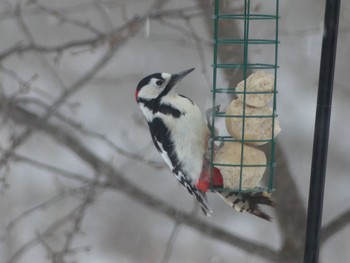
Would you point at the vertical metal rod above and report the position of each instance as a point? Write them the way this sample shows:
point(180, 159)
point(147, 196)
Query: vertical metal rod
point(245, 73)
point(274, 107)
point(215, 68)
point(321, 134)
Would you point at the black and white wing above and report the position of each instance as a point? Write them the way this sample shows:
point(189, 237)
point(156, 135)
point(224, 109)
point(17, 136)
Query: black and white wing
point(162, 140)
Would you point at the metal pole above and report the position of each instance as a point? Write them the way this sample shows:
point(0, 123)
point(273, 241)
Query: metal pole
point(321, 134)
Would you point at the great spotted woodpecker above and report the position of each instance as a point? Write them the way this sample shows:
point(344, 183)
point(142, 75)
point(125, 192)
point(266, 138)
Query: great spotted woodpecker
point(181, 135)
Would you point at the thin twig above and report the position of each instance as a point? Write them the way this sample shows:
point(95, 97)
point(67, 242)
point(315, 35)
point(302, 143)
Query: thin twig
point(174, 234)
point(120, 36)
point(201, 54)
point(65, 173)
point(104, 15)
point(170, 244)
point(24, 85)
point(93, 134)
point(30, 39)
point(42, 206)
point(71, 8)
point(36, 240)
point(58, 102)
point(93, 42)
point(64, 19)
point(77, 222)
point(335, 226)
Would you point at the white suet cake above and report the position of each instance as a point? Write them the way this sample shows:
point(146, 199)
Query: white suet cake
point(257, 82)
point(254, 128)
point(230, 153)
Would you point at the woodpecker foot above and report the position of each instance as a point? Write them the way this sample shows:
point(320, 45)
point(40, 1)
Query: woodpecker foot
point(209, 113)
point(218, 147)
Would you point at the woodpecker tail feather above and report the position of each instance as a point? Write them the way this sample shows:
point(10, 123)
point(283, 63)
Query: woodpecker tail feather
point(249, 202)
point(203, 203)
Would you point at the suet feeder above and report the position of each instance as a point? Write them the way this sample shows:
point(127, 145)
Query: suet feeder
point(252, 114)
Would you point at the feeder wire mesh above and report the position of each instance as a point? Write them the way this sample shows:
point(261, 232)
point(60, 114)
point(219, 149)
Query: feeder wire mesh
point(246, 41)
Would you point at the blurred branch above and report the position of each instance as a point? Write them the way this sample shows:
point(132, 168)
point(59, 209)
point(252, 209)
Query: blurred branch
point(93, 134)
point(290, 212)
point(116, 39)
point(335, 226)
point(24, 85)
point(77, 219)
point(36, 240)
point(125, 33)
point(174, 234)
point(226, 29)
point(116, 36)
point(23, 48)
point(64, 19)
point(30, 39)
point(201, 54)
point(104, 15)
point(171, 241)
point(72, 8)
point(90, 133)
point(59, 101)
point(64, 173)
point(50, 230)
point(42, 206)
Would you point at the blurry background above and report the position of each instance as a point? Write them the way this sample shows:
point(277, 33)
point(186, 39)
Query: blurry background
point(80, 179)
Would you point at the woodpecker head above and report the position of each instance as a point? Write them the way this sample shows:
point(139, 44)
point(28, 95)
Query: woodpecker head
point(158, 85)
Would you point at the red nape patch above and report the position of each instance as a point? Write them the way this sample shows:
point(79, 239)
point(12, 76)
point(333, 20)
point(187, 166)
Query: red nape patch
point(204, 180)
point(136, 95)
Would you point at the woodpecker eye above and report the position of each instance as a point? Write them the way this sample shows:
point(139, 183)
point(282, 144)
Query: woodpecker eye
point(159, 82)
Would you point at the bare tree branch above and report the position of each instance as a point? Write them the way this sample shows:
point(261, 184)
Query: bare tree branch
point(200, 51)
point(24, 85)
point(76, 228)
point(290, 212)
point(22, 48)
point(174, 234)
point(51, 229)
point(104, 15)
point(70, 8)
point(30, 39)
point(170, 244)
point(117, 42)
point(92, 134)
point(335, 226)
point(93, 42)
point(120, 36)
point(42, 206)
point(64, 19)
point(64, 173)
point(227, 29)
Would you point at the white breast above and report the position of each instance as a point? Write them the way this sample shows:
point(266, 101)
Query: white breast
point(189, 133)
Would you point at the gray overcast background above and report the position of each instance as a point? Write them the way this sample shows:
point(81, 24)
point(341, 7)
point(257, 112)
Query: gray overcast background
point(115, 227)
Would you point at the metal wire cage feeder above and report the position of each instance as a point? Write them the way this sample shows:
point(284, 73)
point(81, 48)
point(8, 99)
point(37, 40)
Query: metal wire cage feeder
point(323, 109)
point(246, 42)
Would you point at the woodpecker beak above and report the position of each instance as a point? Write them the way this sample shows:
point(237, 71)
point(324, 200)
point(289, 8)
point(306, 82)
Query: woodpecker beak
point(175, 78)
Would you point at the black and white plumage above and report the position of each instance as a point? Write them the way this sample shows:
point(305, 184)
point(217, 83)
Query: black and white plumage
point(177, 127)
point(180, 135)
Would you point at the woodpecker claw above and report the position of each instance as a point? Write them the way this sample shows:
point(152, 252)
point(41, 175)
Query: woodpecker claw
point(209, 113)
point(219, 146)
